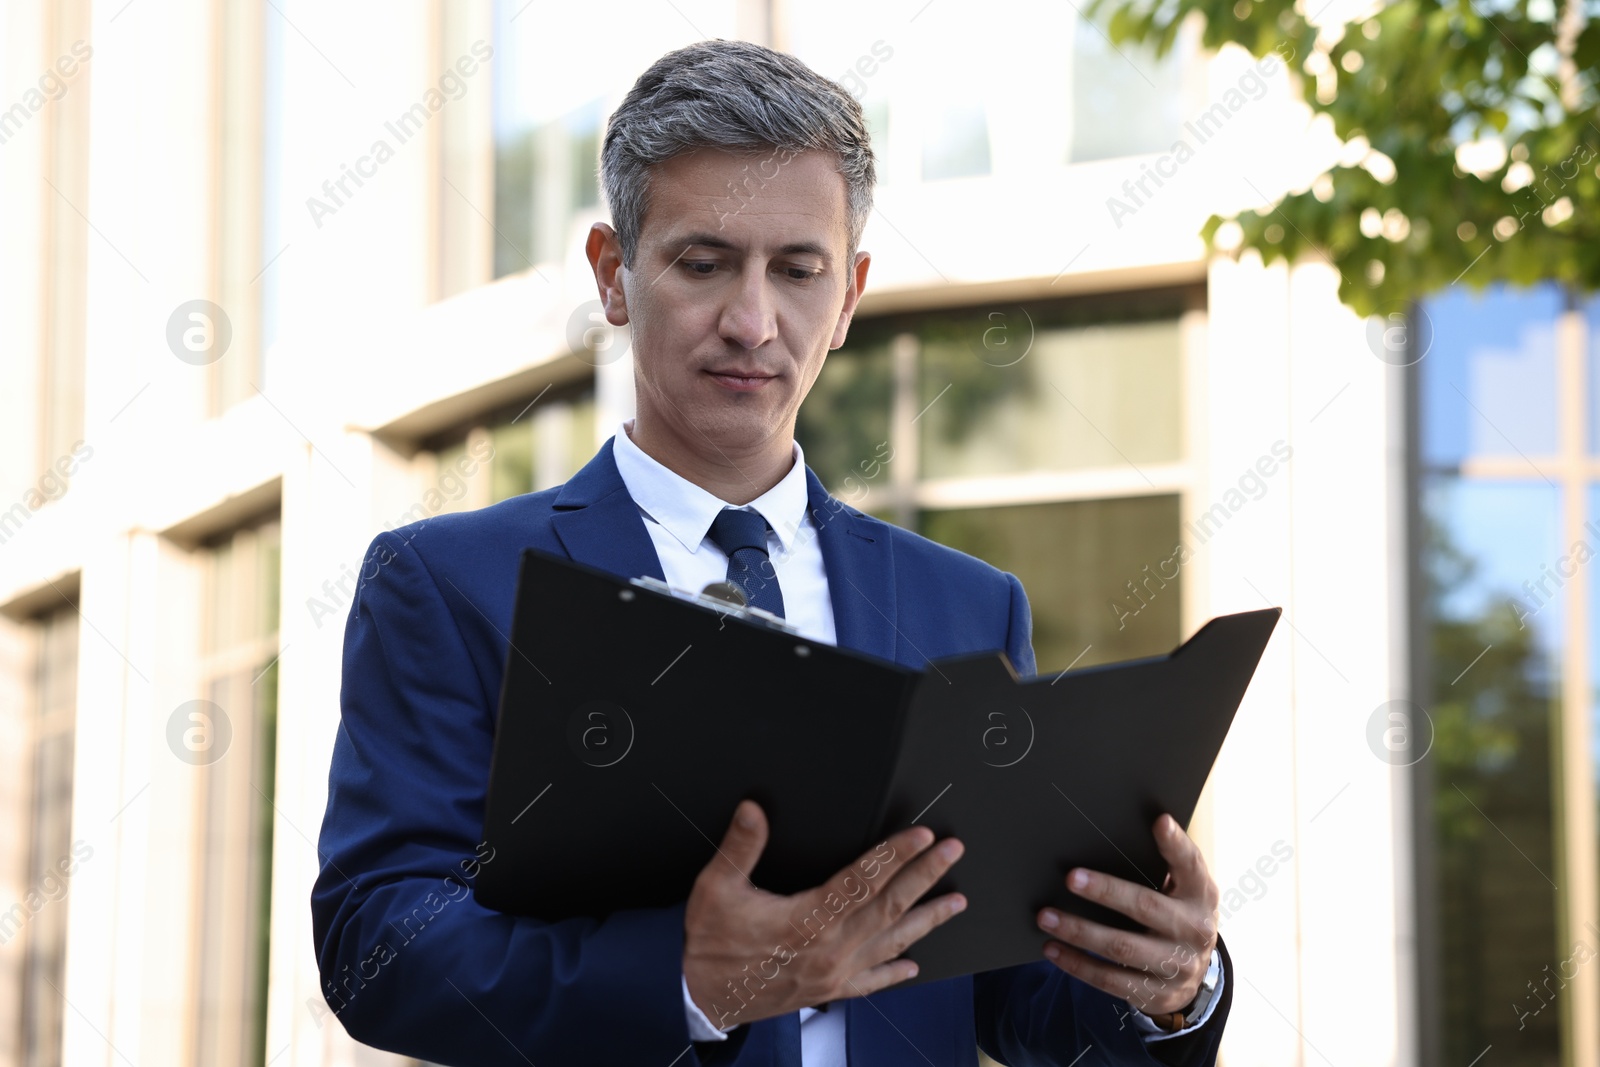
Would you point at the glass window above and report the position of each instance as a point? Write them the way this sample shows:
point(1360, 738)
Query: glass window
point(44, 933)
point(1091, 101)
point(462, 475)
point(266, 275)
point(1592, 369)
point(1004, 392)
point(1092, 570)
point(956, 143)
point(846, 414)
point(531, 445)
point(857, 47)
point(527, 446)
point(1124, 101)
point(249, 162)
point(914, 404)
point(1494, 642)
point(1592, 539)
point(466, 169)
point(544, 173)
point(1500, 487)
point(1489, 378)
point(513, 465)
point(550, 103)
point(235, 752)
point(513, 203)
point(875, 110)
point(579, 434)
point(65, 231)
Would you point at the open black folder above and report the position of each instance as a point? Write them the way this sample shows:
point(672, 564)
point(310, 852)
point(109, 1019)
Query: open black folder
point(632, 722)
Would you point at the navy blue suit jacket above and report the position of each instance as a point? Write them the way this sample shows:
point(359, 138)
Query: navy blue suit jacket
point(412, 963)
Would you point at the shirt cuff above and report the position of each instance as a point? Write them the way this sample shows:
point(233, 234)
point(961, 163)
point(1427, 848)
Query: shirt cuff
point(1147, 1027)
point(701, 1028)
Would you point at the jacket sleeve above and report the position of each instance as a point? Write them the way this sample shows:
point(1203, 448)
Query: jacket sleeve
point(1037, 1015)
point(410, 962)
point(1019, 630)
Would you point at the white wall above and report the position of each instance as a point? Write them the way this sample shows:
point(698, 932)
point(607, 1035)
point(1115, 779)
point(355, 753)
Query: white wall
point(1319, 945)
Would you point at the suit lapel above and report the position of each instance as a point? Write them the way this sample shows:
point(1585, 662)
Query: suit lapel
point(860, 566)
point(599, 524)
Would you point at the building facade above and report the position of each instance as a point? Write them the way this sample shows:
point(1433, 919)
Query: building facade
point(279, 276)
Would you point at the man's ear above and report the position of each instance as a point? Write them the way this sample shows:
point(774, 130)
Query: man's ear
point(852, 296)
point(604, 250)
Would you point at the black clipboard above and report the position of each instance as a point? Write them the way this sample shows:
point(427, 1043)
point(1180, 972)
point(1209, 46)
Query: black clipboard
point(632, 721)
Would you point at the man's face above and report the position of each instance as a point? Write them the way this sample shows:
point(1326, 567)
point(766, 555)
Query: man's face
point(740, 287)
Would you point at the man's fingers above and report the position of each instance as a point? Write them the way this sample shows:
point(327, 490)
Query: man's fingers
point(742, 844)
point(1152, 910)
point(878, 864)
point(1165, 959)
point(911, 928)
point(881, 977)
point(1189, 881)
point(910, 883)
point(872, 872)
point(1190, 878)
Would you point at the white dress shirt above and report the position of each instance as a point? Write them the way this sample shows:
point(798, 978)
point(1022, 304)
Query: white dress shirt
point(678, 515)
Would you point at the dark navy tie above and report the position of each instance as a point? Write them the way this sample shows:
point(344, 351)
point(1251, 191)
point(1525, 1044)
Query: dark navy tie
point(743, 536)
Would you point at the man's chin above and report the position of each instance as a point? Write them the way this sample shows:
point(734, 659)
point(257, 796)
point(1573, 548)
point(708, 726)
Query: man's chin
point(735, 430)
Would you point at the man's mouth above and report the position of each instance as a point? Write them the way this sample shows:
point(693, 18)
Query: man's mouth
point(741, 377)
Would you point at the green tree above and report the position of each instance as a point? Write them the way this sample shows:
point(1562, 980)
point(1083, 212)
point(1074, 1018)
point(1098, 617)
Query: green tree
point(1471, 128)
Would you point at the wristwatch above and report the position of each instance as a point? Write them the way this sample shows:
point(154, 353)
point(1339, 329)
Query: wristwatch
point(1174, 1021)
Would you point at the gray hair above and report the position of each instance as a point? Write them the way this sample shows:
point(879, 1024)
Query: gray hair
point(736, 96)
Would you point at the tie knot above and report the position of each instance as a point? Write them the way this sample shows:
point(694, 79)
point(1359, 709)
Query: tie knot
point(734, 529)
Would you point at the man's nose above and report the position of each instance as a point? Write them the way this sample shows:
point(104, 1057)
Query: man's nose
point(749, 318)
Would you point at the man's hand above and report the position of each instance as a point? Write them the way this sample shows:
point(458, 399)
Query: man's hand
point(1160, 970)
point(749, 954)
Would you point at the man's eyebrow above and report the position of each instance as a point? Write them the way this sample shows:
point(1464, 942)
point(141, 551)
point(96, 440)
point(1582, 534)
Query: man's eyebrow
point(711, 240)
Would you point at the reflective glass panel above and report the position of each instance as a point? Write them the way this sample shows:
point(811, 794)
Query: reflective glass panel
point(1083, 565)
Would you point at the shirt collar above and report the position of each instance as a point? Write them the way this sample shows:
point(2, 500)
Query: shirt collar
point(686, 510)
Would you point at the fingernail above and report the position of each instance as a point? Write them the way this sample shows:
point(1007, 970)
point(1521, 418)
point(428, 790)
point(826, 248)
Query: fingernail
point(747, 817)
point(1078, 879)
point(958, 905)
point(913, 973)
point(950, 849)
point(1052, 951)
point(1050, 920)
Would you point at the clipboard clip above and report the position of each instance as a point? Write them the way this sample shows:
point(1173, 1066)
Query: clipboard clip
point(724, 598)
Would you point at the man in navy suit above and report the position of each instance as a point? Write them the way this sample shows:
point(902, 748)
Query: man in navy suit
point(739, 183)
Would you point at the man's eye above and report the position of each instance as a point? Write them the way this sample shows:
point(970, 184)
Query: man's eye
point(802, 274)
